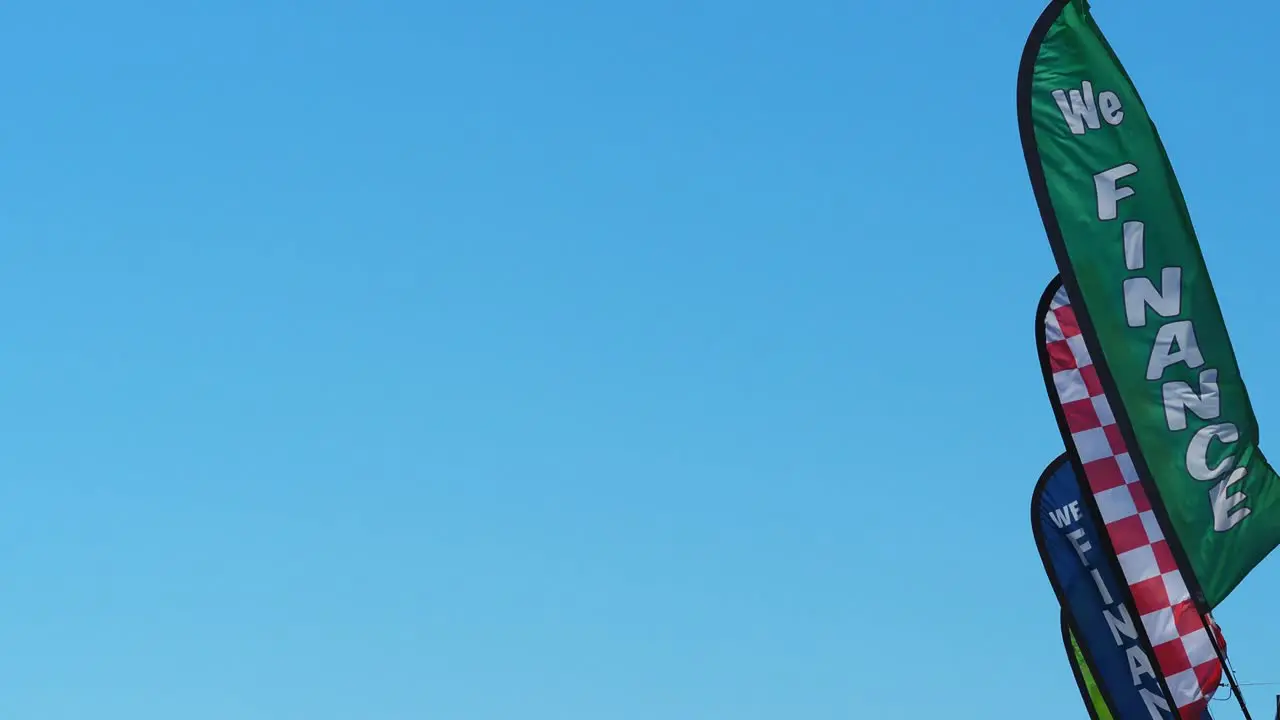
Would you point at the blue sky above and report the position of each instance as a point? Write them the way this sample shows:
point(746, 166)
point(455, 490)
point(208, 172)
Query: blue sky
point(559, 360)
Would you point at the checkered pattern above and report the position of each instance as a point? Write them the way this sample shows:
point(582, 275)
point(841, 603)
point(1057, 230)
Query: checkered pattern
point(1183, 651)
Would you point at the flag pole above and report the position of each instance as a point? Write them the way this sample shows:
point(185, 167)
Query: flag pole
point(1212, 626)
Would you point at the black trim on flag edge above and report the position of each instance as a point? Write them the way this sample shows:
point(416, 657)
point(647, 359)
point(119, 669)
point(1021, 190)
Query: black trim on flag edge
point(1048, 215)
point(1091, 503)
point(1058, 591)
point(1075, 667)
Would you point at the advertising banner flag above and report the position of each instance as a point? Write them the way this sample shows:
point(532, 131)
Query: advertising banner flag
point(1147, 312)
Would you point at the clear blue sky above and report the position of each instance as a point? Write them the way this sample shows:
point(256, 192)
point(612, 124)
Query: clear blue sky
point(559, 360)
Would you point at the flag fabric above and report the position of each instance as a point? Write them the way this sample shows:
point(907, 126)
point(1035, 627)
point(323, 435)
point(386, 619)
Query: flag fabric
point(1090, 693)
point(1148, 575)
point(1146, 311)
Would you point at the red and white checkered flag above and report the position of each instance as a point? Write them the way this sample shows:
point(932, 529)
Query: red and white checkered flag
point(1184, 653)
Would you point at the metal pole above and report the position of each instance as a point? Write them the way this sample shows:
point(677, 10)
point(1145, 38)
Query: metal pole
point(1211, 626)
